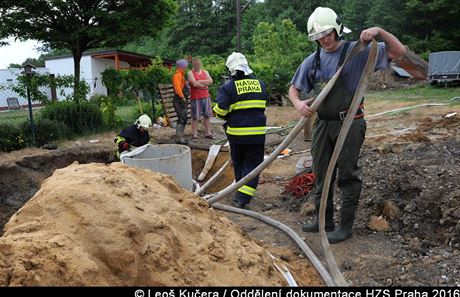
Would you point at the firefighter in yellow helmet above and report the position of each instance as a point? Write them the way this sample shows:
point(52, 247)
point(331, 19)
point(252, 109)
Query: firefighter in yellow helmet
point(135, 135)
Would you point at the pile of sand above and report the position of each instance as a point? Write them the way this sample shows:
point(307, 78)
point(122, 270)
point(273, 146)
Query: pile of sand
point(99, 224)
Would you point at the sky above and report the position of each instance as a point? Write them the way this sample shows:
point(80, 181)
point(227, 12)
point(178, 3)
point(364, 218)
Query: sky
point(18, 51)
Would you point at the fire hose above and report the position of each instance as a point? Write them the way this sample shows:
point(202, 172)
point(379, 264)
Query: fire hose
point(335, 277)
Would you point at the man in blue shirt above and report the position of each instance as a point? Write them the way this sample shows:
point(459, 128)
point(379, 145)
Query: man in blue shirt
point(325, 27)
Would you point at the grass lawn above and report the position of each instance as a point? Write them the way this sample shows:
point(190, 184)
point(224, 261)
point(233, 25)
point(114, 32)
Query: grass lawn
point(398, 98)
point(418, 93)
point(125, 113)
point(377, 102)
point(16, 117)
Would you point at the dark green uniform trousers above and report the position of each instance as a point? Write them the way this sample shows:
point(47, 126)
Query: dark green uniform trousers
point(347, 170)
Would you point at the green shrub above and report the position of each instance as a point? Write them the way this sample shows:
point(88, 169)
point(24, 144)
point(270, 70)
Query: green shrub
point(147, 108)
point(81, 91)
point(279, 48)
point(11, 138)
point(127, 85)
point(108, 109)
point(113, 80)
point(215, 65)
point(81, 118)
point(38, 83)
point(97, 99)
point(45, 131)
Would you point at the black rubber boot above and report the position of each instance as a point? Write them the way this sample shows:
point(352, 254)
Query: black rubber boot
point(237, 202)
point(313, 227)
point(345, 229)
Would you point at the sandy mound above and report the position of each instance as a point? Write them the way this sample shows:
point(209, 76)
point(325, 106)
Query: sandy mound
point(99, 224)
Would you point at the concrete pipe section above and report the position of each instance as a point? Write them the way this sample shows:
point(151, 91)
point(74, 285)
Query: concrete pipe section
point(171, 159)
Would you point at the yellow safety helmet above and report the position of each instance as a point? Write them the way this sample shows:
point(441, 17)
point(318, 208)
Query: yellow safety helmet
point(322, 21)
point(143, 121)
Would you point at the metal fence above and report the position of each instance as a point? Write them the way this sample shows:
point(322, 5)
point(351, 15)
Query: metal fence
point(14, 107)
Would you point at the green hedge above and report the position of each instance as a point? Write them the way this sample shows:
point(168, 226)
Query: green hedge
point(11, 138)
point(45, 131)
point(80, 118)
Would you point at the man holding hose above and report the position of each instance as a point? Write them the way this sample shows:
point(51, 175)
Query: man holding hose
point(325, 27)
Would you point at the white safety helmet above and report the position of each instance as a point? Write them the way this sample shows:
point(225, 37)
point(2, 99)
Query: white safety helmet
point(237, 61)
point(143, 121)
point(322, 21)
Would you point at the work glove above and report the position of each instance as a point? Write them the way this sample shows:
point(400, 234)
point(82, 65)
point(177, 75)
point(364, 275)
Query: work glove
point(124, 146)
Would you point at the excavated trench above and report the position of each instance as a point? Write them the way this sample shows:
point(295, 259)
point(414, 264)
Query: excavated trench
point(21, 179)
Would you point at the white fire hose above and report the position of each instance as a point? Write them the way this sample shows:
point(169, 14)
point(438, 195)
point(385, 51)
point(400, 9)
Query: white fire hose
point(335, 278)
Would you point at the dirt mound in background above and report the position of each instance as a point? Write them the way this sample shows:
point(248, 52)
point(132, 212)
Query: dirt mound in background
point(99, 224)
point(386, 80)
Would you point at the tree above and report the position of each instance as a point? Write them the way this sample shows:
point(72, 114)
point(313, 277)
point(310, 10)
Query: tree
point(433, 25)
point(39, 62)
point(354, 16)
point(388, 14)
point(283, 48)
point(83, 24)
point(207, 27)
point(203, 27)
point(255, 14)
point(296, 10)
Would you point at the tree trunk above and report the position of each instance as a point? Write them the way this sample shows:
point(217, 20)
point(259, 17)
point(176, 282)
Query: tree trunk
point(76, 73)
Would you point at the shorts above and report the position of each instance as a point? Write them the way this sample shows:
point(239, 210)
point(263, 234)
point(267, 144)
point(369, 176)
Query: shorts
point(201, 106)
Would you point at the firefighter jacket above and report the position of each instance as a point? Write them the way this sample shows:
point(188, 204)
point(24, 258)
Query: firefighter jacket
point(133, 137)
point(241, 103)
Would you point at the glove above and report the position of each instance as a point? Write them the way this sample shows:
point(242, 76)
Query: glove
point(124, 146)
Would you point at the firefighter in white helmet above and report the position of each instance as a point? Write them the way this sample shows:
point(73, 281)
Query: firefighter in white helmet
point(325, 28)
point(241, 103)
point(135, 135)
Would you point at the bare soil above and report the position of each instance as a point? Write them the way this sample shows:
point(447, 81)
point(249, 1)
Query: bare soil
point(410, 183)
point(71, 210)
point(387, 80)
point(411, 177)
point(126, 226)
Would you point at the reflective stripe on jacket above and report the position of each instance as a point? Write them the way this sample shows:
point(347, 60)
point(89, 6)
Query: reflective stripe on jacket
point(132, 136)
point(241, 102)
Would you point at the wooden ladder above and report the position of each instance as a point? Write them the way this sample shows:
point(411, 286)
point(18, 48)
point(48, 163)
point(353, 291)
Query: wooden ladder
point(166, 96)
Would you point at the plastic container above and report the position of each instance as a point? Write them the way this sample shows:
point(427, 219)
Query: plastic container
point(171, 159)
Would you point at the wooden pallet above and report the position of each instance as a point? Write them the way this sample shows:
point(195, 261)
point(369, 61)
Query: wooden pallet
point(166, 96)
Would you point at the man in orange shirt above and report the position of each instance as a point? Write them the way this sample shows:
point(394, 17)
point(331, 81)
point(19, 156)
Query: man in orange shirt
point(180, 98)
